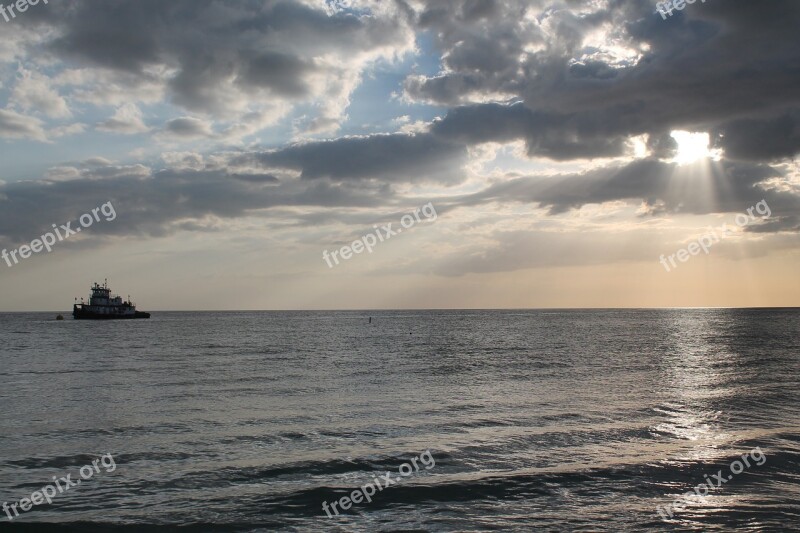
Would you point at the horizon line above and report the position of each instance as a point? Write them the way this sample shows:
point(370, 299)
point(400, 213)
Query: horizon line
point(436, 309)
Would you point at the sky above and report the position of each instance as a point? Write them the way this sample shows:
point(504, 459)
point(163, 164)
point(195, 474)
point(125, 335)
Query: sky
point(501, 154)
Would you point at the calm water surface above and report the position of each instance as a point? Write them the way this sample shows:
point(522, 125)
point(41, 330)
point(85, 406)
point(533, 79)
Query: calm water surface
point(536, 420)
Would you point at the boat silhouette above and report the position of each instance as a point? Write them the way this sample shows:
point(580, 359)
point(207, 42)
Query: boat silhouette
point(105, 306)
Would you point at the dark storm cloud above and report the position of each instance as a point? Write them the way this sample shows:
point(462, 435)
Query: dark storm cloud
point(420, 157)
point(558, 137)
point(729, 67)
point(719, 66)
point(282, 73)
point(346, 172)
point(761, 139)
point(187, 127)
point(155, 203)
point(272, 46)
point(664, 187)
point(255, 178)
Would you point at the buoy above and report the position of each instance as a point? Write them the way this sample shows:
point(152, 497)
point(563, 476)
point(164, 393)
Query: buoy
point(59, 317)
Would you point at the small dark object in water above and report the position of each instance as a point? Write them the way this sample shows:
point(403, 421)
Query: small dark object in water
point(60, 317)
point(370, 320)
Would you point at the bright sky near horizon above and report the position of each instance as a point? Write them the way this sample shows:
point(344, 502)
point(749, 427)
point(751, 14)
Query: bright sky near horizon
point(577, 154)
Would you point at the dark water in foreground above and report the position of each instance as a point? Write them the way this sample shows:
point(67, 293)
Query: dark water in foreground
point(536, 420)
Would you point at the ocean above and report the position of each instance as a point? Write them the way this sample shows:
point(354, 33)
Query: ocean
point(517, 420)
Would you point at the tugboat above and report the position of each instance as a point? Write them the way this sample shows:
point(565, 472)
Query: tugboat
point(105, 306)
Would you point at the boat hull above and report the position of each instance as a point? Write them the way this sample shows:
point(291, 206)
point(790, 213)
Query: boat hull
point(80, 314)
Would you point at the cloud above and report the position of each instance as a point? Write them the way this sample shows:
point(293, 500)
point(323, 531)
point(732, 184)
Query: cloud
point(220, 60)
point(156, 203)
point(397, 157)
point(34, 92)
point(66, 130)
point(255, 178)
point(662, 187)
point(598, 72)
point(16, 126)
point(569, 80)
point(127, 119)
point(767, 138)
point(556, 136)
point(96, 169)
point(183, 160)
point(187, 127)
point(789, 224)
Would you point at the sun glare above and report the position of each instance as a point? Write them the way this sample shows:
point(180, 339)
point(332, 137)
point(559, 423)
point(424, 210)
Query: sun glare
point(692, 147)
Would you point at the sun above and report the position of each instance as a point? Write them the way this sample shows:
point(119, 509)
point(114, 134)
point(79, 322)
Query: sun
point(692, 147)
